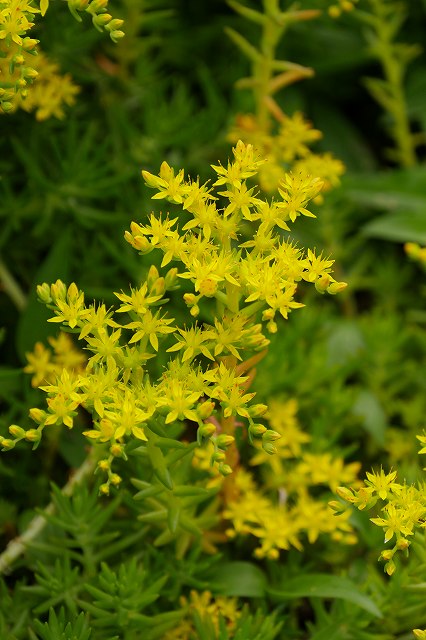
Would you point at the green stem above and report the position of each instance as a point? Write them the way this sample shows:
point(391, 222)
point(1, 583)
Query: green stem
point(393, 69)
point(263, 69)
point(12, 288)
point(17, 546)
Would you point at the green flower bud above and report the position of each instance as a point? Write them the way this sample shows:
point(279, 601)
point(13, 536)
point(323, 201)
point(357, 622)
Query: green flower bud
point(116, 35)
point(225, 469)
point(269, 448)
point(6, 106)
point(257, 430)
point(43, 293)
point(271, 436)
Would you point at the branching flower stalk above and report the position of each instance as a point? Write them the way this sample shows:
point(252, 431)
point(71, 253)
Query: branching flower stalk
point(268, 74)
point(287, 147)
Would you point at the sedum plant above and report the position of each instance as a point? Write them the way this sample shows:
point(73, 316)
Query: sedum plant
point(239, 288)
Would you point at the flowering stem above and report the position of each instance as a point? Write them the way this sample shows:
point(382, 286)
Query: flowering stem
point(393, 68)
point(263, 69)
point(17, 546)
point(11, 287)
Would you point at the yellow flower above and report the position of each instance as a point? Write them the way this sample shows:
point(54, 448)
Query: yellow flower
point(150, 326)
point(293, 135)
point(40, 364)
point(382, 483)
point(395, 521)
point(70, 308)
point(138, 301)
point(296, 191)
point(192, 341)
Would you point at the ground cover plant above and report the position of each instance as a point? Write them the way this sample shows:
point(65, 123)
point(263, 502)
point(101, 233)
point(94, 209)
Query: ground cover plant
point(212, 321)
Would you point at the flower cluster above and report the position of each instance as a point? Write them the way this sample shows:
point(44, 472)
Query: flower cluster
point(288, 148)
point(294, 476)
point(416, 253)
point(19, 63)
point(403, 511)
point(207, 608)
point(208, 374)
point(336, 9)
point(45, 365)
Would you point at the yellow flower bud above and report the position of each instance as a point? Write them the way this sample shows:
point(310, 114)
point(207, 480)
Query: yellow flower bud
point(322, 283)
point(336, 287)
point(104, 489)
point(29, 44)
point(403, 544)
point(205, 410)
point(218, 456)
point(208, 287)
point(117, 450)
point(29, 72)
point(171, 278)
point(37, 415)
point(32, 435)
point(257, 410)
point(224, 441)
point(102, 19)
point(16, 432)
point(104, 465)
point(115, 24)
point(207, 430)
point(58, 291)
point(5, 443)
point(115, 479)
point(116, 35)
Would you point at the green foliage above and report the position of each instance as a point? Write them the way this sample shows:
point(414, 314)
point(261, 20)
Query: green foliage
point(159, 559)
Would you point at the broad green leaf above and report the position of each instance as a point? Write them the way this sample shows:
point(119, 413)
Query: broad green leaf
point(408, 226)
point(33, 325)
point(321, 585)
point(242, 579)
point(344, 343)
point(369, 409)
